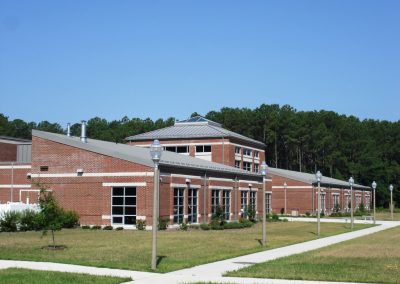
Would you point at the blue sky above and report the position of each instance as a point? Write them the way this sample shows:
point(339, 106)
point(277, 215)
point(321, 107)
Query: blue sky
point(64, 61)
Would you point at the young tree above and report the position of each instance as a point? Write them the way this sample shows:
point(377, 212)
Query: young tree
point(51, 214)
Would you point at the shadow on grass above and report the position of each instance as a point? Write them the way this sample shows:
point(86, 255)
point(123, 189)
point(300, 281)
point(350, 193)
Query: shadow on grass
point(160, 258)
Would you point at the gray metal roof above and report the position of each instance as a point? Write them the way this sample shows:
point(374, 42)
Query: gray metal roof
point(141, 155)
point(310, 178)
point(196, 127)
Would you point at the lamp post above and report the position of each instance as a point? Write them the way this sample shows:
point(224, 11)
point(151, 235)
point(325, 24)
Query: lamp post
point(391, 200)
point(351, 182)
point(374, 188)
point(264, 169)
point(285, 187)
point(155, 153)
point(318, 176)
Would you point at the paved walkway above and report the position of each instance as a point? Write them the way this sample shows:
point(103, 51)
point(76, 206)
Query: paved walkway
point(212, 272)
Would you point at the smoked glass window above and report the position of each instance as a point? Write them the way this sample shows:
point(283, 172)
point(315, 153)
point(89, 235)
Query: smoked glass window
point(243, 203)
point(123, 205)
point(192, 205)
point(214, 200)
point(268, 203)
point(226, 201)
point(178, 205)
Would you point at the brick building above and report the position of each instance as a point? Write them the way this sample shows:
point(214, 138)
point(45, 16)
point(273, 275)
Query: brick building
point(203, 166)
point(109, 183)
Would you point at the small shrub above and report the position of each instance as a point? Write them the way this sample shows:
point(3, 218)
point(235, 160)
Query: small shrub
point(141, 225)
point(216, 225)
point(163, 223)
point(285, 220)
point(108, 228)
point(85, 227)
point(183, 226)
point(70, 219)
point(205, 227)
point(322, 214)
point(282, 211)
point(251, 214)
point(194, 227)
point(9, 221)
point(119, 228)
point(29, 221)
point(275, 217)
point(219, 215)
point(308, 214)
point(95, 227)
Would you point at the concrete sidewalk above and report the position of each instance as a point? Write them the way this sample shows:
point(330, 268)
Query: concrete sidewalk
point(212, 272)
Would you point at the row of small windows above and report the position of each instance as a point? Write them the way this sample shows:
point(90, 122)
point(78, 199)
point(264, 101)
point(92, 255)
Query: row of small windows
point(185, 149)
point(247, 152)
point(123, 204)
point(247, 166)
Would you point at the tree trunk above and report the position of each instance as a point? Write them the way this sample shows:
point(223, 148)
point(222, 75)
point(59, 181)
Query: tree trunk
point(54, 243)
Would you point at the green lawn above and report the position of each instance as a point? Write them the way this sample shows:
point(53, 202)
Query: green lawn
point(17, 276)
point(385, 216)
point(374, 258)
point(177, 249)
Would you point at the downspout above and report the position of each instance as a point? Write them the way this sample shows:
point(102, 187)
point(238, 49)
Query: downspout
point(205, 199)
point(12, 181)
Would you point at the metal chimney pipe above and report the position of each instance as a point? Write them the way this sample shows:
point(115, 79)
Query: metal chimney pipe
point(69, 129)
point(83, 132)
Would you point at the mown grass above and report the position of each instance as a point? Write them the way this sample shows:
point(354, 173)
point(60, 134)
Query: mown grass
point(374, 258)
point(385, 216)
point(176, 249)
point(17, 276)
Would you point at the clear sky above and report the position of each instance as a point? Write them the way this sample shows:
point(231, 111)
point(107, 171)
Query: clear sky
point(64, 61)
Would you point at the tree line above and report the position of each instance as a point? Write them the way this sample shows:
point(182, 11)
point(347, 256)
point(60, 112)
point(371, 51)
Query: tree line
point(339, 146)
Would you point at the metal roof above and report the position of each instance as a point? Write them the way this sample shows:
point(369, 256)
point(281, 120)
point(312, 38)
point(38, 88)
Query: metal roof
point(195, 127)
point(310, 178)
point(13, 140)
point(141, 155)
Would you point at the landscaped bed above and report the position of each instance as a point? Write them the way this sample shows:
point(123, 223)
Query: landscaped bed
point(176, 249)
point(17, 276)
point(374, 258)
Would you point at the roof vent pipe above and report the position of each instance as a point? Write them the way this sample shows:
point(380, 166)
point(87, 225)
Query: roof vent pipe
point(69, 129)
point(83, 132)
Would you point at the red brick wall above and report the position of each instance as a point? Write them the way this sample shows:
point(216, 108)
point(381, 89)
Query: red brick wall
point(8, 152)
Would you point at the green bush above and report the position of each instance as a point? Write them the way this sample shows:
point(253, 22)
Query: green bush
point(95, 227)
point(9, 221)
point(275, 217)
point(194, 227)
point(141, 225)
point(108, 228)
point(205, 227)
point(308, 214)
point(70, 219)
point(218, 216)
point(85, 227)
point(285, 220)
point(183, 226)
point(163, 223)
point(119, 228)
point(29, 221)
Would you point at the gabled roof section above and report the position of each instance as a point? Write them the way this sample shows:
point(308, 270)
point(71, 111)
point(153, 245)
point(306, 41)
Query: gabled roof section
point(192, 128)
point(310, 178)
point(140, 155)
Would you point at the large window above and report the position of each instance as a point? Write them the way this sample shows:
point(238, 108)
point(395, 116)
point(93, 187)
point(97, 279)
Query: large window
point(336, 204)
point(123, 205)
point(226, 201)
point(203, 149)
point(253, 200)
point(214, 200)
point(348, 202)
point(256, 168)
point(323, 203)
point(237, 150)
point(237, 164)
point(177, 149)
point(178, 205)
point(192, 205)
point(247, 152)
point(256, 154)
point(268, 203)
point(243, 203)
point(247, 166)
point(358, 201)
point(367, 202)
